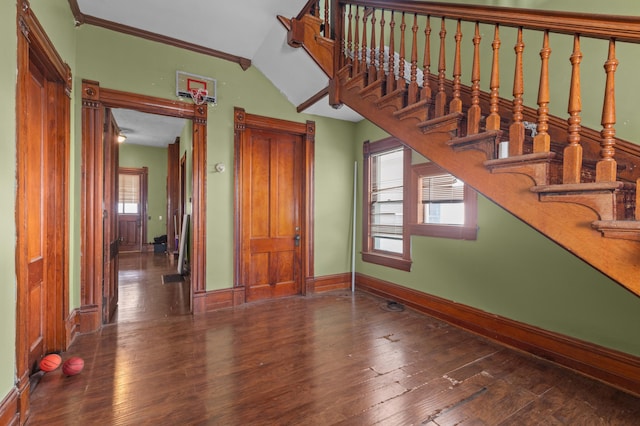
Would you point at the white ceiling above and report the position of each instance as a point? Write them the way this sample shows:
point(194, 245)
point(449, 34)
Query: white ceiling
point(244, 28)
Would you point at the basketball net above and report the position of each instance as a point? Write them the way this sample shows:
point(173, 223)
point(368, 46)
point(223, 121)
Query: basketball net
point(199, 95)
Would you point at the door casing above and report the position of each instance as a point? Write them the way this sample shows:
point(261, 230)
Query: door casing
point(94, 100)
point(242, 121)
point(34, 46)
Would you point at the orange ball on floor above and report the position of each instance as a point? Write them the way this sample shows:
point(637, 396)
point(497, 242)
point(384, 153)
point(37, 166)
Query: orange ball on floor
point(50, 362)
point(73, 366)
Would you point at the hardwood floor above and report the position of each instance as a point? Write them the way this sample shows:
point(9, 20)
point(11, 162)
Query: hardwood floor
point(332, 358)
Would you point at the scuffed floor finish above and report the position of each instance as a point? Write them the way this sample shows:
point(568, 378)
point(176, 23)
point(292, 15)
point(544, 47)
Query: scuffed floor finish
point(330, 359)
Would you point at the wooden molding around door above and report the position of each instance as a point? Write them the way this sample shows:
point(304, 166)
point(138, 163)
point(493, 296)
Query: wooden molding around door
point(94, 100)
point(42, 174)
point(242, 122)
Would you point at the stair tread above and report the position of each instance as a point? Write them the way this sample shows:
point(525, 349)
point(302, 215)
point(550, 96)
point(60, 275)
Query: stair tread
point(518, 159)
point(579, 187)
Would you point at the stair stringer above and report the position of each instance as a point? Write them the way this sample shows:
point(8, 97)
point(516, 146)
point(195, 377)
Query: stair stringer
point(567, 224)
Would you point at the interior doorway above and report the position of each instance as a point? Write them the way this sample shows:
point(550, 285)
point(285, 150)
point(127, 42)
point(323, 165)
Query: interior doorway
point(95, 100)
point(42, 201)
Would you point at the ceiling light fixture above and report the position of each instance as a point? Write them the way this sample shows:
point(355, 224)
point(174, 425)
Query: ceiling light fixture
point(121, 138)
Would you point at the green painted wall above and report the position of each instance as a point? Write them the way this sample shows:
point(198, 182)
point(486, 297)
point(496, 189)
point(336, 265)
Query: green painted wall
point(8, 181)
point(150, 69)
point(560, 293)
point(513, 271)
point(155, 159)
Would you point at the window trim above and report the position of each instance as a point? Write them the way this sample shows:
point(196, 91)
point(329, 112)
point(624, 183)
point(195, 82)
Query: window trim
point(468, 231)
point(402, 260)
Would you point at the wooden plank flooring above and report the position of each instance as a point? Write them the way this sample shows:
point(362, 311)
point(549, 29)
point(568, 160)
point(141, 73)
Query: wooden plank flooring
point(333, 358)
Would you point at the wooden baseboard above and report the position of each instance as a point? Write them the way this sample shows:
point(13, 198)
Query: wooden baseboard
point(72, 325)
point(9, 414)
point(217, 299)
point(89, 318)
point(607, 365)
point(331, 282)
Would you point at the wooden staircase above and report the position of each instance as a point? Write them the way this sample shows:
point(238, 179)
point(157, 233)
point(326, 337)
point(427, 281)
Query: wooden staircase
point(564, 180)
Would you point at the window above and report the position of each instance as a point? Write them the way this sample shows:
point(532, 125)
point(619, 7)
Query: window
point(128, 194)
point(386, 170)
point(444, 206)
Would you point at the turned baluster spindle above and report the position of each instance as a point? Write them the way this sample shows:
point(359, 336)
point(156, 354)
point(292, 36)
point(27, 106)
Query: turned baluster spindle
point(606, 167)
point(441, 96)
point(365, 18)
point(516, 130)
point(637, 216)
point(573, 152)
point(356, 46)
point(412, 94)
point(381, 49)
point(327, 24)
point(542, 140)
point(474, 113)
point(426, 66)
point(493, 120)
point(401, 83)
point(456, 103)
point(391, 72)
point(349, 40)
point(372, 71)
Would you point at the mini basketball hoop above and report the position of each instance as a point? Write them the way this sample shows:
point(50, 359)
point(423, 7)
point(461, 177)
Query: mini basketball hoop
point(199, 95)
point(199, 88)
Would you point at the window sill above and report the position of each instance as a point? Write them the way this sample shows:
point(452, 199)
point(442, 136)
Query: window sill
point(387, 260)
point(445, 231)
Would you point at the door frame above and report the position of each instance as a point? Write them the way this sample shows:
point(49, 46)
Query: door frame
point(94, 100)
point(33, 42)
point(242, 121)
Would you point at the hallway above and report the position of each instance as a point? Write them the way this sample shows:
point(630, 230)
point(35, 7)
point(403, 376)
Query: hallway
point(143, 296)
point(332, 358)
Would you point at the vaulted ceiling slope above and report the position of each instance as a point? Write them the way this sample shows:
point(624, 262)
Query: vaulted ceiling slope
point(244, 31)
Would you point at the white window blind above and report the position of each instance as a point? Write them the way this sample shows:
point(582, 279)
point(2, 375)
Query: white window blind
point(128, 193)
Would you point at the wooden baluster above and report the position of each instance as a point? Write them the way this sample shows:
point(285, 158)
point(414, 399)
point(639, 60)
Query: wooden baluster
point(356, 47)
point(391, 72)
point(412, 96)
point(493, 120)
point(573, 152)
point(606, 167)
point(474, 113)
point(327, 23)
point(637, 216)
point(516, 130)
point(426, 66)
point(372, 71)
point(456, 103)
point(441, 96)
point(542, 140)
point(381, 49)
point(401, 83)
point(365, 17)
point(350, 41)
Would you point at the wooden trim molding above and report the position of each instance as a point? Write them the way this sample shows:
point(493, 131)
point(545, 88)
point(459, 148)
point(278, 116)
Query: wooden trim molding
point(72, 326)
point(81, 18)
point(607, 365)
point(330, 283)
point(9, 409)
point(94, 100)
point(243, 120)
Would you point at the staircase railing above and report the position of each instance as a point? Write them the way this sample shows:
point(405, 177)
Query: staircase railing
point(413, 39)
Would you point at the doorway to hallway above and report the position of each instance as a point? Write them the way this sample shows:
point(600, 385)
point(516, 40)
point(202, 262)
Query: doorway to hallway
point(144, 295)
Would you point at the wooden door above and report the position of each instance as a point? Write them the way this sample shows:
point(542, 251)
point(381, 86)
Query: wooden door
point(110, 218)
point(272, 165)
point(132, 199)
point(35, 194)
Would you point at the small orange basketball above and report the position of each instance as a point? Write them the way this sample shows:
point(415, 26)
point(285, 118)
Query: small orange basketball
point(50, 362)
point(73, 366)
